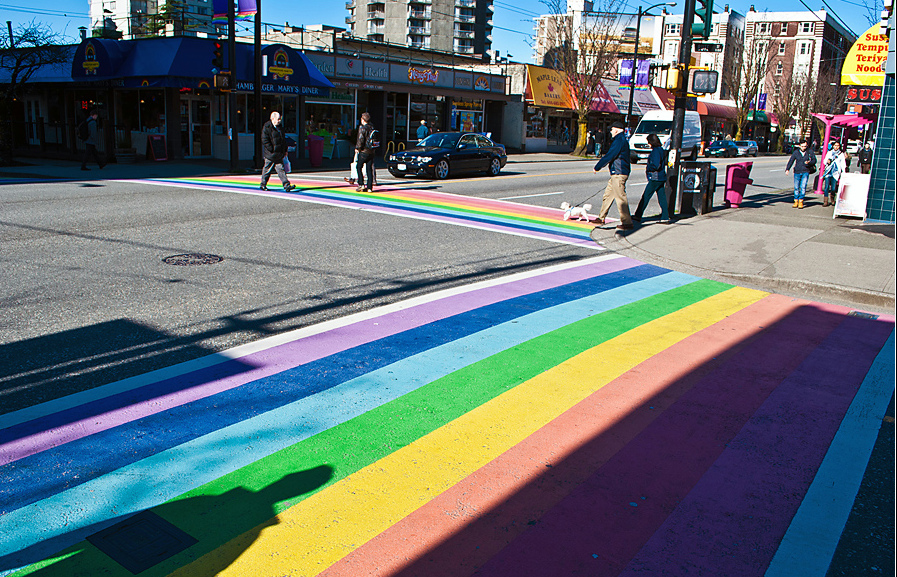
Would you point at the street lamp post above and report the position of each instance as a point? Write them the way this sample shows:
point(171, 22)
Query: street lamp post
point(638, 29)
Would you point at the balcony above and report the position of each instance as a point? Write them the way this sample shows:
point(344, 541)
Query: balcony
point(350, 5)
point(465, 18)
point(466, 3)
point(419, 14)
point(462, 49)
point(464, 33)
point(419, 45)
point(376, 29)
point(376, 14)
point(420, 1)
point(419, 30)
point(375, 37)
point(350, 19)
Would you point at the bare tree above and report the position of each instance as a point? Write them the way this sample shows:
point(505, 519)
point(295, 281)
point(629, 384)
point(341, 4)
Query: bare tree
point(31, 47)
point(752, 61)
point(585, 46)
point(787, 101)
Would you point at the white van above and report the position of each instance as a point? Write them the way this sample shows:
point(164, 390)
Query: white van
point(660, 122)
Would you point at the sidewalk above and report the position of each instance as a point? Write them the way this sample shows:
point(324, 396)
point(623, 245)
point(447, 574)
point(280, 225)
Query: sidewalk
point(768, 245)
point(765, 244)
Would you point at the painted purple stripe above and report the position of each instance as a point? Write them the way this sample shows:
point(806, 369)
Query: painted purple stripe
point(601, 525)
point(732, 522)
point(38, 435)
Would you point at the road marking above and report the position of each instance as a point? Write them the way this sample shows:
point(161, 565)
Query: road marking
point(531, 195)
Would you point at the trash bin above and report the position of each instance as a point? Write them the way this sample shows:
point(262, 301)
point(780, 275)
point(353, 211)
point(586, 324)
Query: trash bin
point(315, 150)
point(737, 179)
point(697, 184)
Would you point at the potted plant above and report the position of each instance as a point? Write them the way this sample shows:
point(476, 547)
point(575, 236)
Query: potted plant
point(124, 152)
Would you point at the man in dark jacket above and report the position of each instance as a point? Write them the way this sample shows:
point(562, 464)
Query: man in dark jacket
point(90, 145)
point(365, 149)
point(865, 156)
point(617, 160)
point(274, 148)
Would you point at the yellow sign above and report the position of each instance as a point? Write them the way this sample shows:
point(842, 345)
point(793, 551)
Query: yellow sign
point(865, 63)
point(548, 87)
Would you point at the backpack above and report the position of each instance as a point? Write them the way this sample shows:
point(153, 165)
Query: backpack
point(374, 139)
point(84, 129)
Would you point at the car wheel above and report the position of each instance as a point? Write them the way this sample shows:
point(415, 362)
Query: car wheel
point(494, 167)
point(442, 169)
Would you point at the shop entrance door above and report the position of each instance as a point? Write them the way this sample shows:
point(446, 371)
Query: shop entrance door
point(196, 126)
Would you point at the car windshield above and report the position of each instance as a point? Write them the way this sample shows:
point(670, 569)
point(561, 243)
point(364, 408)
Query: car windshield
point(658, 127)
point(440, 140)
point(743, 143)
point(718, 143)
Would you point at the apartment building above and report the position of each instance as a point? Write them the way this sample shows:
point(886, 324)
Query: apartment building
point(728, 29)
point(799, 45)
point(139, 18)
point(460, 26)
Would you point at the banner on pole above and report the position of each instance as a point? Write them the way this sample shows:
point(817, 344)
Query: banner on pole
point(244, 10)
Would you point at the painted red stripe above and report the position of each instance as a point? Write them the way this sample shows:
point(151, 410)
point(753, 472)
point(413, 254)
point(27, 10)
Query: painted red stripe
point(603, 524)
point(464, 527)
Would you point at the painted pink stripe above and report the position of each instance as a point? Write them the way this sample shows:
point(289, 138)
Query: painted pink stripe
point(34, 438)
point(602, 524)
point(732, 522)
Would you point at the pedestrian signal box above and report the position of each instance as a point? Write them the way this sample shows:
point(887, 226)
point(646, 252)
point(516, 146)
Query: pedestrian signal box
point(703, 81)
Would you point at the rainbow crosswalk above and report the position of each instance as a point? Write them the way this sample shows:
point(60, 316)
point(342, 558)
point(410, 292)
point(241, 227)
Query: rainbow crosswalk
point(603, 417)
point(486, 214)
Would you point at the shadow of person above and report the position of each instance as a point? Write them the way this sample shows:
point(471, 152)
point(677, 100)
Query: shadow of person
point(212, 519)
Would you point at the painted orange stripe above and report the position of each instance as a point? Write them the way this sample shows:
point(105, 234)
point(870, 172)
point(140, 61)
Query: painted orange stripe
point(465, 526)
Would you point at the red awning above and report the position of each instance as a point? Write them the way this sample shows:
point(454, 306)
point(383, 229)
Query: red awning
point(716, 110)
point(667, 98)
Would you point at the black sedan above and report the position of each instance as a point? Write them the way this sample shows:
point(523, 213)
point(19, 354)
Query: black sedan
point(445, 153)
point(722, 148)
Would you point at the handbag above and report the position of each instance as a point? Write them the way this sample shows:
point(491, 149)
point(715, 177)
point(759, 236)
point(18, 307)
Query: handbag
point(286, 163)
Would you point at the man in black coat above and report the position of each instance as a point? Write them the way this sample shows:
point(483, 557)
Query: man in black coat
point(865, 155)
point(274, 148)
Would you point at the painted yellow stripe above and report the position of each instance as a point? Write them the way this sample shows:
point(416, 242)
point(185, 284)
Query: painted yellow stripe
point(320, 530)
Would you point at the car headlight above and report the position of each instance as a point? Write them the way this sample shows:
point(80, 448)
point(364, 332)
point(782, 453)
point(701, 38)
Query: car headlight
point(393, 157)
point(424, 158)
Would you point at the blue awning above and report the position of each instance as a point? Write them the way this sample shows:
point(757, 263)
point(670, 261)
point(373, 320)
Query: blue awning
point(186, 62)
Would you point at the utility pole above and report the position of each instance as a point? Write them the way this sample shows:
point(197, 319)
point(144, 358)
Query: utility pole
point(257, 85)
point(232, 95)
point(688, 18)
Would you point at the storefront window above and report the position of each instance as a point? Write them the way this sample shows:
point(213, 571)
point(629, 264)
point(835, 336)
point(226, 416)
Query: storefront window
point(331, 117)
point(535, 122)
point(467, 115)
point(397, 117)
point(429, 108)
point(152, 110)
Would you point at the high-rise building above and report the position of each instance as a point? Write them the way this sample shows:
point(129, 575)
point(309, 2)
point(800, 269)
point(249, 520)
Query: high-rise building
point(129, 19)
point(461, 26)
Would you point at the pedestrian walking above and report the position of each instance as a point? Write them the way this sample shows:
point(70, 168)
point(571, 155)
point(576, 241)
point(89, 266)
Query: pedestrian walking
point(617, 161)
point(865, 157)
point(657, 179)
point(88, 133)
point(365, 146)
point(422, 130)
point(274, 149)
point(804, 162)
point(833, 167)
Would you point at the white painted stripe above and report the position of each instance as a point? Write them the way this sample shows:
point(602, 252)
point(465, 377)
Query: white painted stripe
point(532, 195)
point(138, 381)
point(810, 542)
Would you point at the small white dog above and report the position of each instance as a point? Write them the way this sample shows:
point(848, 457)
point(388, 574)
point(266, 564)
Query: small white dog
point(577, 212)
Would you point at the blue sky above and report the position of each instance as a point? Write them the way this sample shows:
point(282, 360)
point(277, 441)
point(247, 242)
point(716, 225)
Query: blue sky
point(513, 18)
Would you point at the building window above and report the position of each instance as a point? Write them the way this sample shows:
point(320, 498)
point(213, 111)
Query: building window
point(763, 27)
point(806, 27)
point(672, 51)
point(804, 48)
point(783, 29)
point(673, 29)
point(779, 68)
point(781, 47)
point(777, 91)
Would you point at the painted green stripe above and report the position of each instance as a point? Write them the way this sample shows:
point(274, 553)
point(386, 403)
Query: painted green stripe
point(225, 508)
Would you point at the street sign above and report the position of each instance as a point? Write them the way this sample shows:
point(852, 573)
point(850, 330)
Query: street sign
point(707, 47)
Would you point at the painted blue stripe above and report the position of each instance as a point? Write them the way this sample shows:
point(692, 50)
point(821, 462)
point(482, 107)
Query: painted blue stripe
point(166, 475)
point(76, 462)
point(810, 541)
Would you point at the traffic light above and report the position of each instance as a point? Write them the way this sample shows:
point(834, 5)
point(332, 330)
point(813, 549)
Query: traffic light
point(704, 13)
point(703, 81)
point(218, 57)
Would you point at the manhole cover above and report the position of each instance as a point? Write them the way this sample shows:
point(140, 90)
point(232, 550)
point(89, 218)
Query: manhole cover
point(192, 259)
